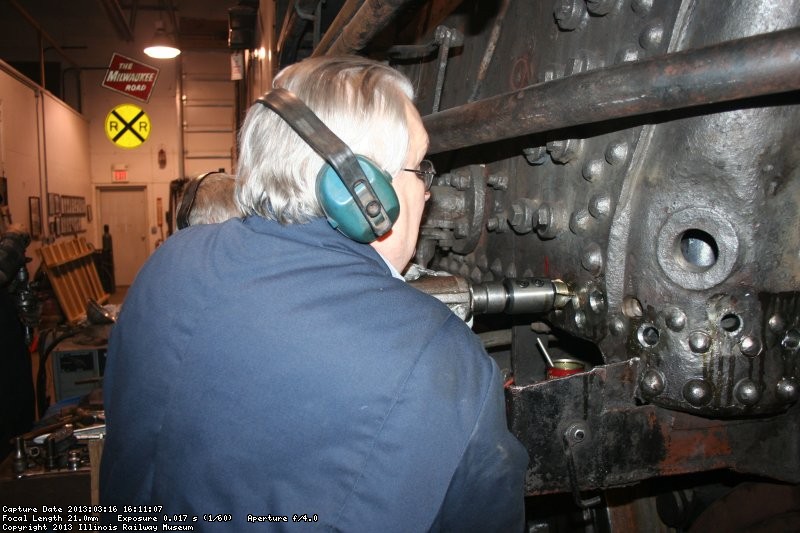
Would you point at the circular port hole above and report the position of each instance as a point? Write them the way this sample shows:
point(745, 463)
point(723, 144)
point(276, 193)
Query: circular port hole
point(648, 335)
point(731, 323)
point(699, 249)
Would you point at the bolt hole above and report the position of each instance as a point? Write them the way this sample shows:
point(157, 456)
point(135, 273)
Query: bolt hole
point(699, 249)
point(579, 435)
point(730, 323)
point(631, 307)
point(648, 335)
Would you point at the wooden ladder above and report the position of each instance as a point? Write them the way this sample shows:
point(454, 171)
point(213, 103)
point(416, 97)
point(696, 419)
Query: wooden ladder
point(72, 273)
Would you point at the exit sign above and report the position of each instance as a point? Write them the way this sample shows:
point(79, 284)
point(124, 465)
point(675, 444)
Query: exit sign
point(120, 175)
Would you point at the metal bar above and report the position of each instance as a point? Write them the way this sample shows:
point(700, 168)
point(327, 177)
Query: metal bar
point(754, 66)
point(345, 15)
point(371, 18)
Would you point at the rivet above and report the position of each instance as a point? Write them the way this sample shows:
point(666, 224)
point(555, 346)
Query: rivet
point(476, 275)
point(652, 35)
point(616, 152)
point(787, 390)
point(569, 14)
point(699, 341)
point(747, 392)
point(776, 324)
point(675, 319)
point(593, 169)
point(652, 383)
point(599, 206)
point(511, 271)
point(580, 319)
point(616, 325)
point(579, 221)
point(592, 259)
point(697, 392)
point(750, 346)
point(642, 7)
point(497, 267)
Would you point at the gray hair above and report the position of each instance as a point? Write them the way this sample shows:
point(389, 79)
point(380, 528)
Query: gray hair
point(214, 200)
point(360, 100)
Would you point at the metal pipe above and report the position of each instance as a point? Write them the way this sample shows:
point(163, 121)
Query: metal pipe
point(372, 17)
point(743, 68)
point(345, 15)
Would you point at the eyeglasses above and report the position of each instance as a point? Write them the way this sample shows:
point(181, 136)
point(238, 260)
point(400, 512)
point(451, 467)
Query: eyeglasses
point(425, 172)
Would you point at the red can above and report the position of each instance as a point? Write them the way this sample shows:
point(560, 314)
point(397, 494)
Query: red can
point(565, 367)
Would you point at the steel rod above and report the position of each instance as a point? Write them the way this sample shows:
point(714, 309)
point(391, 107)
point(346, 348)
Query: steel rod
point(372, 17)
point(753, 66)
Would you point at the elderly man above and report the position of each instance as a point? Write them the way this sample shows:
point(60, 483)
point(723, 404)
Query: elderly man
point(277, 369)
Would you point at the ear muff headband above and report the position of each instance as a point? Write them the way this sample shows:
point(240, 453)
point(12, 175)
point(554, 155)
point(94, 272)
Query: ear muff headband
point(338, 155)
point(187, 202)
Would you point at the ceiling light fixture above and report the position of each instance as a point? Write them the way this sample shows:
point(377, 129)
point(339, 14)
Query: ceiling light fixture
point(162, 47)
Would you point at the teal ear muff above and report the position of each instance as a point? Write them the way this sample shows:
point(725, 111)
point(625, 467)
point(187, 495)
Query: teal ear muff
point(340, 207)
point(356, 195)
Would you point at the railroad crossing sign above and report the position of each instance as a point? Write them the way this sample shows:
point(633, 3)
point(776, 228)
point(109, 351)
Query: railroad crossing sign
point(127, 126)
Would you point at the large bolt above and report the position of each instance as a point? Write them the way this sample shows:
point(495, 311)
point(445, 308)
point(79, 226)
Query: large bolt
point(544, 218)
point(565, 150)
point(461, 229)
point(497, 182)
point(521, 217)
point(461, 182)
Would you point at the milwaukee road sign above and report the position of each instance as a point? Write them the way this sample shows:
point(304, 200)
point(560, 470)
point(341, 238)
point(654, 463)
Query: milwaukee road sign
point(130, 77)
